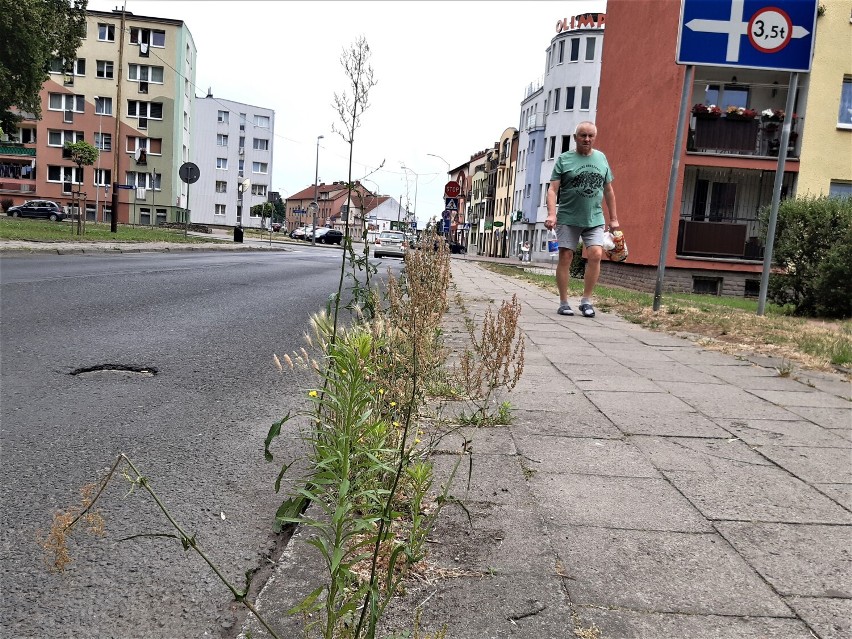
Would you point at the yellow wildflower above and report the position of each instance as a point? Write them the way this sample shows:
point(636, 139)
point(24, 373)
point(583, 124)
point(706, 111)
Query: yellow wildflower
point(393, 404)
point(313, 393)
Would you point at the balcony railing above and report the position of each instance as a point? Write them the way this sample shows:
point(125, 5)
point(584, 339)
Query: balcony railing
point(716, 237)
point(752, 137)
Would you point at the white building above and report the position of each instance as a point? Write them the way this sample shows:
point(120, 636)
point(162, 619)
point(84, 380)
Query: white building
point(232, 143)
point(550, 111)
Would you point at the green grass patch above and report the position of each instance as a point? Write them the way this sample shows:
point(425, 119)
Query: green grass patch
point(47, 231)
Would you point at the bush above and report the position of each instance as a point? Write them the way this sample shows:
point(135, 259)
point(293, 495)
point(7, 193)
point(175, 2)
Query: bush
point(6, 202)
point(813, 249)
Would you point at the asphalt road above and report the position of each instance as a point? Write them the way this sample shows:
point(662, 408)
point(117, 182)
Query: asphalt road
point(208, 323)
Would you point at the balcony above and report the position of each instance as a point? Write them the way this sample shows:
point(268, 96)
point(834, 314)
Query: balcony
point(751, 137)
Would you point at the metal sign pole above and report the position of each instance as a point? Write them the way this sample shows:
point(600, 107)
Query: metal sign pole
point(776, 191)
point(673, 175)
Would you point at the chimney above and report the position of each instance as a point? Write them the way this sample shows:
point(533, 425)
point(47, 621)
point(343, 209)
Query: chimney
point(209, 92)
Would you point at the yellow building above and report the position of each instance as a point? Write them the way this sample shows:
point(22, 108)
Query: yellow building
point(826, 156)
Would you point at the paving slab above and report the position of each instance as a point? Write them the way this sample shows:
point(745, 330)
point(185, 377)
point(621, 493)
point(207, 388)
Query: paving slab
point(811, 464)
point(796, 559)
point(729, 481)
point(613, 382)
point(562, 424)
point(690, 424)
point(766, 432)
point(674, 372)
point(607, 457)
point(834, 418)
point(803, 398)
point(499, 479)
point(643, 403)
point(830, 618)
point(724, 400)
point(637, 503)
point(696, 574)
point(631, 624)
point(486, 440)
point(841, 493)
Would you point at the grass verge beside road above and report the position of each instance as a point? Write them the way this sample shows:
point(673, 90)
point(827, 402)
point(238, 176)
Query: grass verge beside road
point(725, 324)
point(46, 231)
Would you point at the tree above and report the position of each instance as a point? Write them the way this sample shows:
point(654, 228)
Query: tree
point(82, 154)
point(32, 33)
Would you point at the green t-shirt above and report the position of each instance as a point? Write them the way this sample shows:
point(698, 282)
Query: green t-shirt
point(582, 179)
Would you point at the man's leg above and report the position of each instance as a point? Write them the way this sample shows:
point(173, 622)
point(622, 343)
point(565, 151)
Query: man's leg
point(563, 273)
point(593, 270)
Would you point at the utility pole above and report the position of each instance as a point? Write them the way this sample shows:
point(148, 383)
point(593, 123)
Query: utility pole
point(113, 223)
point(316, 195)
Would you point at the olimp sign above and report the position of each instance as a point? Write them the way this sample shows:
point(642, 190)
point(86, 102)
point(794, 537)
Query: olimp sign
point(588, 20)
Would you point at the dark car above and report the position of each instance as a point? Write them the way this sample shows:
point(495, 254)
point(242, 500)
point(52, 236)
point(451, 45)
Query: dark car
point(330, 236)
point(38, 208)
point(276, 226)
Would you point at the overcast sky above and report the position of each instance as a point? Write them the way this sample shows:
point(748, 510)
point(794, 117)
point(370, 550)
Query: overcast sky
point(450, 75)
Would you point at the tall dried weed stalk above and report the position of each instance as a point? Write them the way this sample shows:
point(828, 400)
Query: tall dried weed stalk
point(495, 359)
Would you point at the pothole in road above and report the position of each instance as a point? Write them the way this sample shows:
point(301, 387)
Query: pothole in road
point(123, 369)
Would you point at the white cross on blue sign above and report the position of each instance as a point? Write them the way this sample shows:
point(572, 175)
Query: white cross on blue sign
point(752, 34)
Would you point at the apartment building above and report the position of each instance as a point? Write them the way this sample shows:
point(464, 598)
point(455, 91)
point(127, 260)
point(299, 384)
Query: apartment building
point(129, 92)
point(565, 95)
point(332, 206)
point(729, 161)
point(233, 144)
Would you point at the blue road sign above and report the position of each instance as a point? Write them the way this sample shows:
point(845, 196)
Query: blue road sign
point(750, 34)
point(126, 187)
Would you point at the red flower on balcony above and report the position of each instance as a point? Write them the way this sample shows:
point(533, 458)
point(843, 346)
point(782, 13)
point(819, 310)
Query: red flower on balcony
point(705, 111)
point(740, 113)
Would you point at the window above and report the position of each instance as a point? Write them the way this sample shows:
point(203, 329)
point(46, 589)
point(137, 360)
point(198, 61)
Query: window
point(138, 109)
point(103, 177)
point(77, 67)
point(566, 143)
point(221, 140)
point(150, 145)
point(728, 94)
point(840, 189)
point(242, 121)
point(590, 49)
point(66, 102)
point(103, 106)
point(585, 98)
point(555, 100)
point(844, 114)
point(261, 121)
point(153, 37)
point(552, 146)
point(575, 49)
point(561, 51)
point(106, 32)
point(103, 141)
point(259, 167)
point(260, 144)
point(221, 186)
point(258, 189)
point(104, 69)
point(145, 73)
point(65, 174)
point(569, 98)
point(222, 117)
point(143, 180)
point(220, 209)
point(60, 138)
point(222, 163)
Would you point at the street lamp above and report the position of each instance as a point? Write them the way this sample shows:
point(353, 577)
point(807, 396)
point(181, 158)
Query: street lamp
point(316, 194)
point(442, 160)
point(416, 181)
point(100, 150)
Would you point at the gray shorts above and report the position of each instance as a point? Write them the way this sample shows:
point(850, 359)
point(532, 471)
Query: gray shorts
point(569, 236)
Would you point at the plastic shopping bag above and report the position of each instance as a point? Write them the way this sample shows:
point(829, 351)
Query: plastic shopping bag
point(618, 252)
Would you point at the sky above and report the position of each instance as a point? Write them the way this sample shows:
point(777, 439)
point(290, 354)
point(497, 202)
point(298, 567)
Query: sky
point(450, 79)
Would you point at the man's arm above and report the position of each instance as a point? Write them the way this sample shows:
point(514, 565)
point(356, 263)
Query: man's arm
point(552, 191)
point(609, 197)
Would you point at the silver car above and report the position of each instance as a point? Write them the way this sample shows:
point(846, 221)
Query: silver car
point(390, 244)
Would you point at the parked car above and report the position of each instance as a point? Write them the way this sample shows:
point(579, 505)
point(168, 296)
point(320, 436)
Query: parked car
point(276, 226)
point(329, 236)
point(391, 244)
point(38, 208)
point(299, 233)
point(457, 248)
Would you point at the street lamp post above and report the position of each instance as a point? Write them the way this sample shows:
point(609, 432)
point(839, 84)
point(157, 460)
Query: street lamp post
point(442, 160)
point(100, 151)
point(316, 194)
point(416, 181)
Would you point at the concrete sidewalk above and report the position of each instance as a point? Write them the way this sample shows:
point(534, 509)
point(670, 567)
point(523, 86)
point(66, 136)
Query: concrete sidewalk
point(645, 488)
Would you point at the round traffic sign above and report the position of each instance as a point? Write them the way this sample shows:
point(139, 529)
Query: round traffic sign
point(770, 30)
point(189, 172)
point(452, 189)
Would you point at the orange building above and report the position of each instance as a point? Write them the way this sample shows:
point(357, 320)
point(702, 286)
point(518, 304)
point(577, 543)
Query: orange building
point(727, 164)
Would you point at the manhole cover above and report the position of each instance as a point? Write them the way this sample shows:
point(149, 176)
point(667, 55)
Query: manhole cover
point(144, 371)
